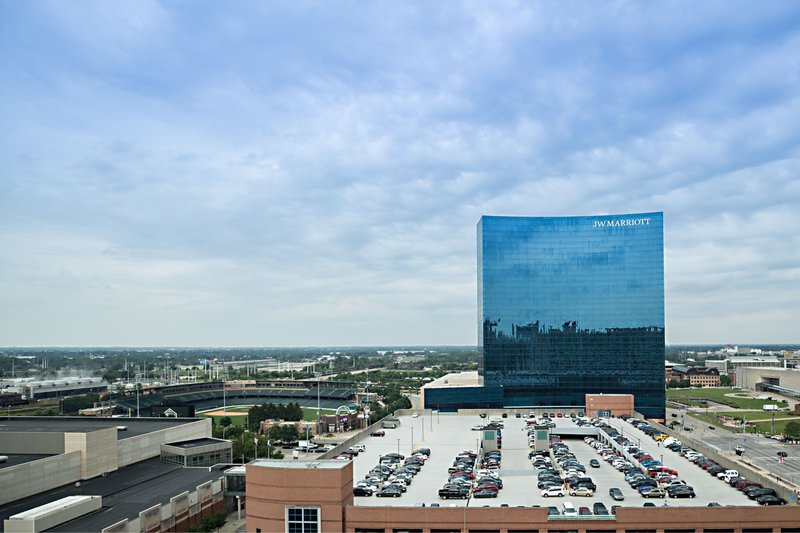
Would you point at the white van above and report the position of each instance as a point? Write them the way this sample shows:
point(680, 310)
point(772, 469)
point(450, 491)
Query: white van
point(567, 509)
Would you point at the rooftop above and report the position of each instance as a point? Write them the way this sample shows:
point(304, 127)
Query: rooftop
point(196, 443)
point(446, 434)
point(84, 424)
point(330, 465)
point(125, 493)
point(457, 379)
point(18, 459)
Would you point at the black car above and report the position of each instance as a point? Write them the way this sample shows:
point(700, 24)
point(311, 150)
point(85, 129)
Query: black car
point(485, 492)
point(594, 463)
point(553, 511)
point(518, 415)
point(389, 492)
point(680, 491)
point(362, 491)
point(770, 500)
point(424, 451)
point(599, 508)
point(489, 479)
point(755, 494)
point(642, 482)
point(616, 494)
point(458, 493)
point(582, 482)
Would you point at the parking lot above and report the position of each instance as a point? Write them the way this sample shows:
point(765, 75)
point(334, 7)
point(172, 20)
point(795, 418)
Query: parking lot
point(448, 434)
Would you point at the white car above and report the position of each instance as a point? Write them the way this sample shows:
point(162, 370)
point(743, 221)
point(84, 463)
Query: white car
point(415, 415)
point(553, 491)
point(359, 447)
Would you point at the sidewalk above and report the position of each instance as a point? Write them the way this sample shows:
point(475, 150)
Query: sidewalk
point(233, 525)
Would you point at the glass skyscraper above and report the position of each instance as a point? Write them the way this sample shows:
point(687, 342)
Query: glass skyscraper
point(572, 305)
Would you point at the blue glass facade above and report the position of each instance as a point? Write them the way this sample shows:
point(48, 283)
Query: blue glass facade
point(572, 305)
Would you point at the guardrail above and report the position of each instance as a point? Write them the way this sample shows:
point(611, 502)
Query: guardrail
point(361, 435)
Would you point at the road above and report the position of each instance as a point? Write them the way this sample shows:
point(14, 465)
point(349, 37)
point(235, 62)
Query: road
point(759, 450)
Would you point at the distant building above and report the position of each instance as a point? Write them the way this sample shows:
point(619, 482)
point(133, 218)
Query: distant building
point(696, 375)
point(782, 380)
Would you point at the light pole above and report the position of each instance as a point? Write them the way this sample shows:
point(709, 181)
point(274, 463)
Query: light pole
point(138, 389)
point(319, 413)
point(412, 438)
point(224, 399)
point(398, 446)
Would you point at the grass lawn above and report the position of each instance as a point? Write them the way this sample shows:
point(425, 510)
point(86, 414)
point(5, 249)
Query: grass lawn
point(781, 419)
point(695, 397)
point(309, 414)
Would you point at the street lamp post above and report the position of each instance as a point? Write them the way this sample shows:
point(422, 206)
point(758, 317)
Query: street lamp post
point(412, 438)
point(319, 413)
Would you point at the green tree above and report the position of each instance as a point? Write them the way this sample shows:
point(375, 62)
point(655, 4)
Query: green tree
point(225, 421)
point(724, 380)
point(792, 429)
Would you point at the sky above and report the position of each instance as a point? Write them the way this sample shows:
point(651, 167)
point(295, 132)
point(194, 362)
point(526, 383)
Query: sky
point(311, 173)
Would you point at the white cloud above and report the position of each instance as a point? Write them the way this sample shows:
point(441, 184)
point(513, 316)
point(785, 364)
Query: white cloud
point(294, 176)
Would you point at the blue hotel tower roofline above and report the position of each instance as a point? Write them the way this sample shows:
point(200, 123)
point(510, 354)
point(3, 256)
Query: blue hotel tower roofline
point(569, 306)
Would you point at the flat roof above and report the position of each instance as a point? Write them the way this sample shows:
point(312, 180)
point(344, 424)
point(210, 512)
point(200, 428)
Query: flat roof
point(196, 443)
point(86, 424)
point(15, 459)
point(446, 434)
point(328, 464)
point(456, 379)
point(126, 492)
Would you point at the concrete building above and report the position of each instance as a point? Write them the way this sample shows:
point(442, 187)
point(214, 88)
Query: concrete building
point(782, 380)
point(46, 453)
point(55, 388)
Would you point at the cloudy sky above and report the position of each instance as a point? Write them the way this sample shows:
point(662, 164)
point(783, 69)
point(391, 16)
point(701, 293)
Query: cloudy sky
point(299, 174)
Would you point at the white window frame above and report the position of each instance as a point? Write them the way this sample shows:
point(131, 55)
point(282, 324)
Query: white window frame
point(303, 507)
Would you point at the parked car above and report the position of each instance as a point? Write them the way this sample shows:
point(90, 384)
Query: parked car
point(654, 492)
point(553, 491)
point(362, 491)
point(452, 492)
point(770, 500)
point(680, 491)
point(581, 491)
point(391, 491)
point(599, 508)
